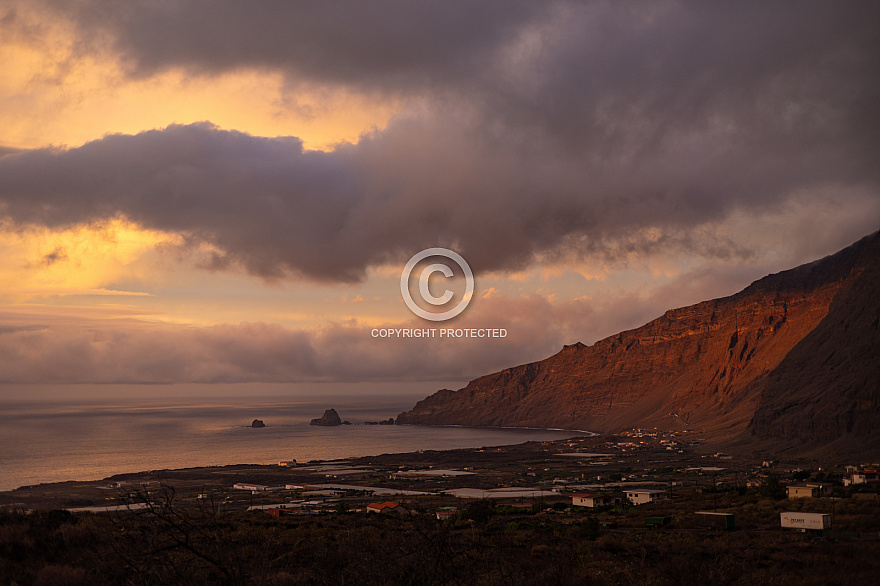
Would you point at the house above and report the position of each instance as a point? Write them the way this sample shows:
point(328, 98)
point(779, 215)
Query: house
point(593, 500)
point(644, 496)
point(801, 491)
point(386, 507)
point(862, 476)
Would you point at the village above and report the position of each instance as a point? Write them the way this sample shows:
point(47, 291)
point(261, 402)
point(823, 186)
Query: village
point(636, 480)
point(640, 506)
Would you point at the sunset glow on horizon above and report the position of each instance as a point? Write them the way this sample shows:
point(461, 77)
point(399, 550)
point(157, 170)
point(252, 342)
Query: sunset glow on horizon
point(231, 196)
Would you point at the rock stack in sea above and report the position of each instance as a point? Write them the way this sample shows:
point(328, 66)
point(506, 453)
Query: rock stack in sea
point(329, 419)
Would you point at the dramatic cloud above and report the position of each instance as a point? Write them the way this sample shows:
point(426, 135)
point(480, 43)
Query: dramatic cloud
point(539, 129)
point(619, 77)
point(276, 209)
point(384, 44)
point(720, 141)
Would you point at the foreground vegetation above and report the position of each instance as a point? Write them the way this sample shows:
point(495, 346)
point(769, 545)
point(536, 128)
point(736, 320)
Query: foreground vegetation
point(484, 544)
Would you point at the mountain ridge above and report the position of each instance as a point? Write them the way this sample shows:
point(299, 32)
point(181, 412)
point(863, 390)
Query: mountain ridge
point(711, 366)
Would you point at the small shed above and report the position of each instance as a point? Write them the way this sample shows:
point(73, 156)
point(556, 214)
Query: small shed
point(715, 520)
point(656, 521)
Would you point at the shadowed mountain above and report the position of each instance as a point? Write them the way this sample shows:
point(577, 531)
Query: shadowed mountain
point(826, 391)
point(792, 357)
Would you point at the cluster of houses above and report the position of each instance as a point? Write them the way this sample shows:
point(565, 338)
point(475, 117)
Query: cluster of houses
point(635, 496)
point(855, 475)
point(862, 475)
point(645, 496)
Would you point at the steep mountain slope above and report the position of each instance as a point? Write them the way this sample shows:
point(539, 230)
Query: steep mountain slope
point(826, 392)
point(713, 366)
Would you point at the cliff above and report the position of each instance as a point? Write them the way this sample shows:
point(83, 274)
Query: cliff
point(730, 366)
point(825, 393)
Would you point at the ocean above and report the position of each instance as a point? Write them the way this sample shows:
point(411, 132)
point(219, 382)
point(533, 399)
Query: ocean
point(59, 438)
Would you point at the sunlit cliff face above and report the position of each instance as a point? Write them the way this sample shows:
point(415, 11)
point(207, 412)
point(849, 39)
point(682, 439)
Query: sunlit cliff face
point(259, 175)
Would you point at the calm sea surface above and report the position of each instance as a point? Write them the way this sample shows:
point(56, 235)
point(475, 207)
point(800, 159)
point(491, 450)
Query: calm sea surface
point(56, 440)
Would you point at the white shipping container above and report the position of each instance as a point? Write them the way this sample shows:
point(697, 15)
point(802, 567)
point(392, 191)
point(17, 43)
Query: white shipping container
point(814, 521)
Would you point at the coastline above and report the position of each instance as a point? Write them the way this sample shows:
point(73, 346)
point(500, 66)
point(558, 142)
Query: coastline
point(499, 443)
point(52, 442)
point(507, 427)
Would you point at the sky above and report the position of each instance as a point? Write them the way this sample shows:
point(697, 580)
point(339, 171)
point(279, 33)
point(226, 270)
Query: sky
point(228, 191)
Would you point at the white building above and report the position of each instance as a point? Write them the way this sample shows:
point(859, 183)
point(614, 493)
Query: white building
point(593, 500)
point(250, 487)
point(799, 491)
point(644, 496)
point(862, 476)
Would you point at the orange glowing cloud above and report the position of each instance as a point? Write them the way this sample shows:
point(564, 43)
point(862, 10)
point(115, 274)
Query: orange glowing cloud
point(51, 94)
point(83, 260)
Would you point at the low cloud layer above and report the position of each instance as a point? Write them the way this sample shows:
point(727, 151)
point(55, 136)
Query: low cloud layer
point(51, 348)
point(115, 344)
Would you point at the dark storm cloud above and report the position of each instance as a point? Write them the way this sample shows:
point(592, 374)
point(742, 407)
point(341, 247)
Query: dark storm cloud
point(382, 43)
point(544, 128)
point(276, 209)
point(619, 76)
